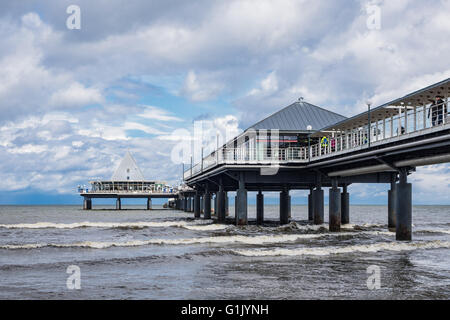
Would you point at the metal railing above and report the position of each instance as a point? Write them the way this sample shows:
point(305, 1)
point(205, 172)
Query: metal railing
point(409, 120)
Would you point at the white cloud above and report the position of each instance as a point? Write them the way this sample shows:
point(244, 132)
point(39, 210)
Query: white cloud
point(155, 113)
point(198, 89)
point(215, 51)
point(76, 95)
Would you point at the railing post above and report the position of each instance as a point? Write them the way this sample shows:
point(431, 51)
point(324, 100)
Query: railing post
point(406, 119)
point(424, 116)
point(415, 118)
point(392, 126)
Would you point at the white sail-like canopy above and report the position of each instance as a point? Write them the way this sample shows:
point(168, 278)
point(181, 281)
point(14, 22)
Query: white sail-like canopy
point(128, 170)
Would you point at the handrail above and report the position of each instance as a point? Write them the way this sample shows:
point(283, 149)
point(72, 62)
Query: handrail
point(409, 120)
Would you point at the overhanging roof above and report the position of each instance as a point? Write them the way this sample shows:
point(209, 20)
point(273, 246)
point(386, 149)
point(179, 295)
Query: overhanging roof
point(297, 117)
point(417, 98)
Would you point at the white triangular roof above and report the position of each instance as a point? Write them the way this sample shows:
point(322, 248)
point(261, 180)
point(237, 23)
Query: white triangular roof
point(128, 170)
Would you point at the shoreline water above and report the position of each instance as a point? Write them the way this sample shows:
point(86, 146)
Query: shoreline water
point(167, 254)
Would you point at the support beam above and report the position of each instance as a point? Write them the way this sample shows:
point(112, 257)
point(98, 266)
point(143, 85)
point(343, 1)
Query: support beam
point(392, 197)
point(185, 204)
point(345, 206)
point(318, 205)
point(259, 208)
point(149, 203)
point(215, 204)
point(118, 204)
point(189, 204)
point(207, 205)
point(289, 207)
point(221, 204)
point(284, 206)
point(227, 204)
point(403, 208)
point(310, 205)
point(197, 205)
point(334, 207)
point(241, 202)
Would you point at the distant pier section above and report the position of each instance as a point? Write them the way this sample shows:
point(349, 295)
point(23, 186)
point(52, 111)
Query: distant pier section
point(128, 182)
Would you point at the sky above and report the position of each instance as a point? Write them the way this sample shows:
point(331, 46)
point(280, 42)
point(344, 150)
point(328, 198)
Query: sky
point(137, 74)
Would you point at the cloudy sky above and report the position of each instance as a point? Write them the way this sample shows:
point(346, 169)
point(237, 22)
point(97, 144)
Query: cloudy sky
point(139, 73)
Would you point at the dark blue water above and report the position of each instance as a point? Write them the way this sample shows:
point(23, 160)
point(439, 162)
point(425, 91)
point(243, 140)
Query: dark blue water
point(166, 254)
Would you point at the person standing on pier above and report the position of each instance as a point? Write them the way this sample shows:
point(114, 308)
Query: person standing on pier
point(437, 111)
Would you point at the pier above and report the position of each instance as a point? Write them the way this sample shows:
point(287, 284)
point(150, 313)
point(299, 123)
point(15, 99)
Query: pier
point(305, 147)
point(128, 182)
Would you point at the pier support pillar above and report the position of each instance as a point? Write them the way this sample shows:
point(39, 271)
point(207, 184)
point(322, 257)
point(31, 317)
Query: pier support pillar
point(345, 206)
point(403, 208)
point(189, 204)
point(149, 203)
point(318, 205)
point(259, 208)
point(207, 205)
point(289, 207)
point(185, 204)
point(87, 204)
point(221, 204)
point(310, 205)
point(284, 206)
point(334, 208)
point(202, 204)
point(392, 197)
point(241, 202)
point(118, 204)
point(227, 206)
point(197, 205)
point(215, 204)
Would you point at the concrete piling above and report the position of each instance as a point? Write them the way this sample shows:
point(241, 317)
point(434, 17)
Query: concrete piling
point(318, 206)
point(241, 202)
point(259, 208)
point(189, 204)
point(334, 208)
point(310, 205)
point(284, 207)
point(403, 208)
point(207, 205)
point(392, 198)
point(227, 207)
point(197, 205)
point(289, 207)
point(118, 204)
point(221, 204)
point(149, 203)
point(345, 206)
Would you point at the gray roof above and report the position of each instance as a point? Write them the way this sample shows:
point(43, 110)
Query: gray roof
point(297, 117)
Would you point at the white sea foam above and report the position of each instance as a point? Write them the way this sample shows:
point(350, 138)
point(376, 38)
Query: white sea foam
point(433, 231)
point(325, 251)
point(87, 224)
point(252, 240)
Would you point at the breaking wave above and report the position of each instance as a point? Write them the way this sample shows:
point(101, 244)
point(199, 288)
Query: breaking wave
point(251, 240)
point(325, 251)
point(198, 225)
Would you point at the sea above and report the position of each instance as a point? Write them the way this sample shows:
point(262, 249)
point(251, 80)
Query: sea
point(63, 252)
